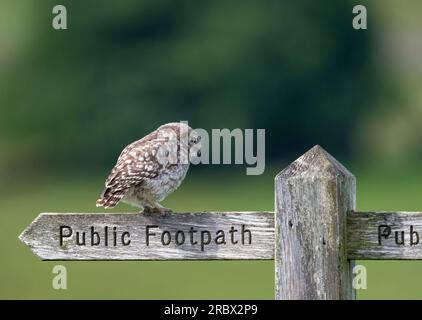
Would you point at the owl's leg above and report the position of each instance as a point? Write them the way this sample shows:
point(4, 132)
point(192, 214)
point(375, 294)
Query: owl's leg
point(147, 211)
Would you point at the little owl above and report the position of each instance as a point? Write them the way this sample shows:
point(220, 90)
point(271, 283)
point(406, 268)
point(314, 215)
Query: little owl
point(149, 169)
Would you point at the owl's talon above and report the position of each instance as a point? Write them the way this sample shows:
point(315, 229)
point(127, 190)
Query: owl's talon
point(165, 211)
point(147, 211)
point(161, 210)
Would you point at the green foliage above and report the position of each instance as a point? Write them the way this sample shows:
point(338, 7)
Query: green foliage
point(76, 97)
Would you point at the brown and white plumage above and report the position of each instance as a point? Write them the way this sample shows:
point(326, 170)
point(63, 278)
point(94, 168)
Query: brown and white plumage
point(145, 172)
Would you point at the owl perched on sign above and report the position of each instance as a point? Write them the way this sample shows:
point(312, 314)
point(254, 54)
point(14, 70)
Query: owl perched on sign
point(149, 169)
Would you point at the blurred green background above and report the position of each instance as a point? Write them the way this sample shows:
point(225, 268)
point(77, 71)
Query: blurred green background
point(71, 100)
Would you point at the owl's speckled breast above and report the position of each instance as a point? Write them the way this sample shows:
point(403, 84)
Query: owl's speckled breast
point(153, 190)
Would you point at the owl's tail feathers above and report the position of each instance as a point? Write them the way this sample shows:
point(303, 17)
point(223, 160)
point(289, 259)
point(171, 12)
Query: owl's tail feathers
point(109, 199)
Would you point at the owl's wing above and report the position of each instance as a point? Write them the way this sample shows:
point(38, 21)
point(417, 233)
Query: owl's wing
point(136, 163)
point(132, 175)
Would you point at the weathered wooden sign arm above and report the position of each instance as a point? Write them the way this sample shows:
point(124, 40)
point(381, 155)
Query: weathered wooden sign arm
point(384, 235)
point(314, 234)
point(129, 236)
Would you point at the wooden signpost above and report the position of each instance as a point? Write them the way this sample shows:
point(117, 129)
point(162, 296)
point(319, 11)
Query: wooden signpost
point(129, 236)
point(314, 234)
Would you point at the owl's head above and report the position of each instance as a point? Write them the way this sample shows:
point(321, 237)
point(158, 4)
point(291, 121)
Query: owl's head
point(181, 131)
point(182, 142)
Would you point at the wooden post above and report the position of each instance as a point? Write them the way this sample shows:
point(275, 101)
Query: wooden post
point(313, 196)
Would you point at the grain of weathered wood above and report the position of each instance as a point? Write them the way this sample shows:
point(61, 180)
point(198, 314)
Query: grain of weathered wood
point(313, 196)
point(363, 231)
point(42, 236)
